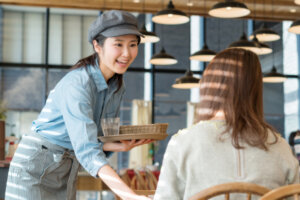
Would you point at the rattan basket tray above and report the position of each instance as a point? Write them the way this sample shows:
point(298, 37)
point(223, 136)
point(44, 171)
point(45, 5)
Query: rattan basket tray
point(131, 132)
point(142, 129)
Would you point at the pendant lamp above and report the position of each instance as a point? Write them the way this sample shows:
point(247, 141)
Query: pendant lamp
point(265, 34)
point(162, 58)
point(229, 9)
point(204, 55)
point(148, 36)
point(297, 2)
point(170, 16)
point(187, 81)
point(263, 48)
point(244, 43)
point(295, 27)
point(274, 76)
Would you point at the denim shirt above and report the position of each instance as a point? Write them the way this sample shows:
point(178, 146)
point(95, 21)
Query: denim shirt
point(73, 111)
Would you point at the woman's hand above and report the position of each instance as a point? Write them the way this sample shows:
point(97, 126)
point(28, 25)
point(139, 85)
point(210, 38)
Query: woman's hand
point(124, 145)
point(117, 185)
point(143, 198)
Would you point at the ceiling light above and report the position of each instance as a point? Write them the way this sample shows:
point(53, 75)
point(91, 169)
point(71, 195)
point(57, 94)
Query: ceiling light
point(265, 34)
point(148, 36)
point(170, 16)
point(295, 27)
point(229, 9)
point(293, 10)
point(274, 77)
point(162, 58)
point(187, 81)
point(297, 2)
point(205, 54)
point(263, 48)
point(244, 43)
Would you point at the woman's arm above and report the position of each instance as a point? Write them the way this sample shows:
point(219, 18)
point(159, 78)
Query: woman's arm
point(116, 184)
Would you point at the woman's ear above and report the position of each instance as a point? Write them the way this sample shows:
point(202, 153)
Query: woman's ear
point(96, 46)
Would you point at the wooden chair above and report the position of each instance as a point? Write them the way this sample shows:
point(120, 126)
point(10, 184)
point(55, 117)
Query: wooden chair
point(142, 183)
point(283, 192)
point(227, 188)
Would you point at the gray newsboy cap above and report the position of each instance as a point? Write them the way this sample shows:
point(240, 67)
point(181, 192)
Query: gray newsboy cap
point(114, 23)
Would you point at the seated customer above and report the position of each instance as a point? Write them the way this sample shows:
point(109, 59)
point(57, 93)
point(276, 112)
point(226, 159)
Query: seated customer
point(231, 141)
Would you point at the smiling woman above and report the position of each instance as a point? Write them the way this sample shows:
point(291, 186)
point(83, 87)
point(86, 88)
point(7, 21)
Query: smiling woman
point(65, 135)
point(117, 54)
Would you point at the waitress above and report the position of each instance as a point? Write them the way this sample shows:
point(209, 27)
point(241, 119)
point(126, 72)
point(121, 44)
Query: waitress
point(64, 136)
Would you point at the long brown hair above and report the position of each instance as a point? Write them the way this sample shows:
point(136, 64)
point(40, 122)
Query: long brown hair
point(232, 83)
point(91, 60)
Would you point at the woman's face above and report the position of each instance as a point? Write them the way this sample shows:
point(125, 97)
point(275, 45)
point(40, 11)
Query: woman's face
point(117, 54)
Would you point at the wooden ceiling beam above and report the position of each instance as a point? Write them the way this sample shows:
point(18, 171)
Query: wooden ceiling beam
point(264, 10)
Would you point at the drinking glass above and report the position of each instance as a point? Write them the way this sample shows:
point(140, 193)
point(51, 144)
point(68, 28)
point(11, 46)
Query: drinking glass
point(110, 126)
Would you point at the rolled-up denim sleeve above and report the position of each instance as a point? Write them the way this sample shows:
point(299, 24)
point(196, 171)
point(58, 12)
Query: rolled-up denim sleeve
point(76, 108)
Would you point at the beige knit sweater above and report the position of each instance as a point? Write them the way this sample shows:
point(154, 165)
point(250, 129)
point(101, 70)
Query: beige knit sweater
point(196, 159)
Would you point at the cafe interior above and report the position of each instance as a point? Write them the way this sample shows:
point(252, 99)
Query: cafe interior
point(41, 40)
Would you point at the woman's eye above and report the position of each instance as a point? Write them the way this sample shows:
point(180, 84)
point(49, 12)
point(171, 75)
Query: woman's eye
point(118, 45)
point(133, 45)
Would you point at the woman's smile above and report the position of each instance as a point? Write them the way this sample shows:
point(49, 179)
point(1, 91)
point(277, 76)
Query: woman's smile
point(117, 54)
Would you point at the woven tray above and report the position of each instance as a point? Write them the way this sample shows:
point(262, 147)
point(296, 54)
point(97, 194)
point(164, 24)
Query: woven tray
point(142, 129)
point(136, 132)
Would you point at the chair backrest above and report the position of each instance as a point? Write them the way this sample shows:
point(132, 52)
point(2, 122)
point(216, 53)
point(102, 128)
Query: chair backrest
point(227, 188)
point(283, 192)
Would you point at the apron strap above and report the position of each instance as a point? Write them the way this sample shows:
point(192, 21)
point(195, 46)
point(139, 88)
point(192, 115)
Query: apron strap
point(71, 185)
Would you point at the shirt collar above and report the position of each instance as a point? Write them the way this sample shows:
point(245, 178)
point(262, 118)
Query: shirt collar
point(99, 78)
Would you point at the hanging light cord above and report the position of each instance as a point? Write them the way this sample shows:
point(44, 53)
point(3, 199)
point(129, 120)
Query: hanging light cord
point(204, 24)
point(254, 7)
point(273, 58)
point(264, 11)
point(272, 9)
point(219, 38)
point(104, 4)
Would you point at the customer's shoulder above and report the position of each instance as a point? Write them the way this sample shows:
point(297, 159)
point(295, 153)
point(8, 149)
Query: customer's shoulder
point(277, 141)
point(202, 127)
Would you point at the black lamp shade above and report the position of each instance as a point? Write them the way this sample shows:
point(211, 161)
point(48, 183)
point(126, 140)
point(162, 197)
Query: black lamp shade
point(265, 35)
point(187, 81)
point(148, 36)
point(229, 9)
point(295, 27)
point(274, 77)
point(244, 43)
point(205, 54)
point(170, 16)
point(263, 48)
point(162, 58)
